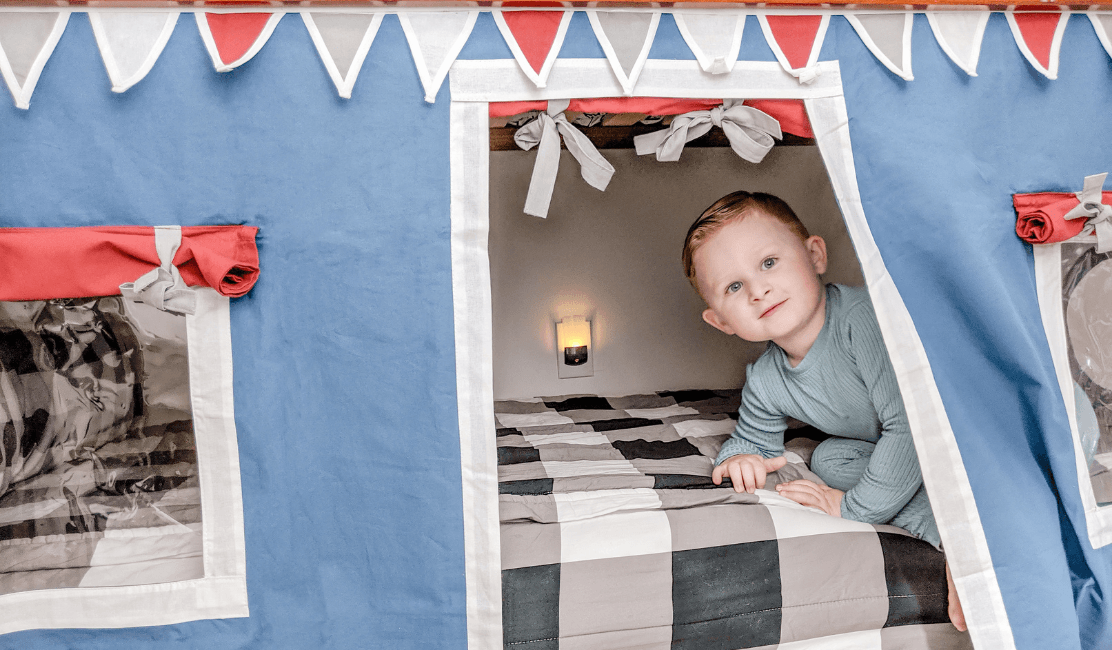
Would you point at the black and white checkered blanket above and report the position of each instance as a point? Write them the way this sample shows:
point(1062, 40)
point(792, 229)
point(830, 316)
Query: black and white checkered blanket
point(613, 536)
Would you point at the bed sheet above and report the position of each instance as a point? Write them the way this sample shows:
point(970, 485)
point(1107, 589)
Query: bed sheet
point(613, 536)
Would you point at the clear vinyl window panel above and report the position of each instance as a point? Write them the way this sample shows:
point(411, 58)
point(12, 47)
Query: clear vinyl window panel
point(1087, 309)
point(100, 473)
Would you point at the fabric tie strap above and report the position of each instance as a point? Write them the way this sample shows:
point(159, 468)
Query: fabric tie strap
point(546, 131)
point(163, 287)
point(1091, 207)
point(749, 131)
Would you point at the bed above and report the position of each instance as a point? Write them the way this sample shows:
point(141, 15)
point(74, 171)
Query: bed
point(613, 536)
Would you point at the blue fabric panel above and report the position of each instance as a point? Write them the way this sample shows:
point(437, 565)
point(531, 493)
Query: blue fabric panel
point(937, 160)
point(344, 361)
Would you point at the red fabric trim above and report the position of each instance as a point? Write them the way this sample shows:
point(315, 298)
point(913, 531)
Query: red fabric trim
point(1039, 216)
point(796, 36)
point(234, 34)
point(1038, 33)
point(45, 263)
point(534, 31)
point(790, 112)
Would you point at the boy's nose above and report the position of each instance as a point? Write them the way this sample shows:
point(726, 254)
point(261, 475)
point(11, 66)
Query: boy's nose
point(757, 291)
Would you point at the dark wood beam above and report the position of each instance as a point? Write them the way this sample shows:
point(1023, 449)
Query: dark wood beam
point(621, 137)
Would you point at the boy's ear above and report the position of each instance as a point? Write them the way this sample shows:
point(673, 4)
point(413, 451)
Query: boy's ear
point(816, 248)
point(712, 319)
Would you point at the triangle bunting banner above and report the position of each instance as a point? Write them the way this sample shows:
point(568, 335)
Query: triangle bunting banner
point(888, 37)
point(435, 39)
point(1102, 23)
point(232, 39)
point(714, 38)
point(130, 43)
point(959, 34)
point(27, 39)
point(1039, 37)
point(796, 42)
point(626, 38)
point(342, 41)
point(535, 38)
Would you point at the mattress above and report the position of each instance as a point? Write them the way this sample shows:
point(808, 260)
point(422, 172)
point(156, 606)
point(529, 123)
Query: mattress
point(613, 536)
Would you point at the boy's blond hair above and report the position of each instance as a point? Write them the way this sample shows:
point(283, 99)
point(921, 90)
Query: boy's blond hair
point(730, 208)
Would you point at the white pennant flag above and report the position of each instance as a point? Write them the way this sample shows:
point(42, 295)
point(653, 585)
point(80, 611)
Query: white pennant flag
point(1102, 23)
point(626, 37)
point(714, 38)
point(435, 40)
point(130, 43)
point(959, 34)
point(27, 39)
point(888, 37)
point(342, 41)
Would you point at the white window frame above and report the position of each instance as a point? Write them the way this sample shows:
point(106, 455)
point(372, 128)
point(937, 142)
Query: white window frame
point(1048, 278)
point(222, 592)
point(476, 83)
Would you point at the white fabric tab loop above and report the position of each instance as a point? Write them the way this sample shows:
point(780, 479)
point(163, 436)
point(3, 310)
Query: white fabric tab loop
point(544, 133)
point(1099, 214)
point(163, 287)
point(749, 131)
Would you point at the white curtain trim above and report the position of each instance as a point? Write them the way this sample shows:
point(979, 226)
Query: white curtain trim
point(1048, 278)
point(222, 592)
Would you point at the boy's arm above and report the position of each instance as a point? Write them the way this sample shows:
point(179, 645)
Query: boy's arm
point(760, 427)
point(893, 475)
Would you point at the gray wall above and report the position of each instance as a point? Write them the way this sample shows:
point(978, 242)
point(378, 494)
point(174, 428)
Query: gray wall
point(614, 257)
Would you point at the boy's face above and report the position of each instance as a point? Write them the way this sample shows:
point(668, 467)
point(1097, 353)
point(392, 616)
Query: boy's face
point(761, 282)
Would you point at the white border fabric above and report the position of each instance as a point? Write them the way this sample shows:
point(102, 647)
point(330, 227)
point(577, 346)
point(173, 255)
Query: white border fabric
point(1048, 278)
point(22, 94)
point(222, 593)
point(214, 52)
point(124, 79)
point(473, 84)
point(1051, 70)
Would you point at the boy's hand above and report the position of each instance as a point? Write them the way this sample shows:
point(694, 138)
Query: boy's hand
point(747, 471)
point(812, 494)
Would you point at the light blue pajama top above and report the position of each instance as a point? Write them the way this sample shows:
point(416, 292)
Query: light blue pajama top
point(845, 386)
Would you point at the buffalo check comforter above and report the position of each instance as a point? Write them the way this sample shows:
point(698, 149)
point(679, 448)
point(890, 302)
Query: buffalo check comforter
point(613, 536)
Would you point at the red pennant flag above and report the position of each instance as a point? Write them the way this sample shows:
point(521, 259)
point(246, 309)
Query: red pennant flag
point(232, 39)
point(1038, 33)
point(794, 36)
point(534, 37)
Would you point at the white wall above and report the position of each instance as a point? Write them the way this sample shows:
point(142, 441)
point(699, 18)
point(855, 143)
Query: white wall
point(614, 257)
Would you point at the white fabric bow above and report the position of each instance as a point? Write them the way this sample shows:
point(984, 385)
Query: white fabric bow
point(163, 287)
point(546, 131)
point(749, 131)
point(1098, 213)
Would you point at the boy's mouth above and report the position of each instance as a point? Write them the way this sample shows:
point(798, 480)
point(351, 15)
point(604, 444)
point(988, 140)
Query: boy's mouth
point(772, 308)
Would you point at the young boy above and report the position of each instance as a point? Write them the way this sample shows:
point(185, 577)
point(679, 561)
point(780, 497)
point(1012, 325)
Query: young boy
point(757, 268)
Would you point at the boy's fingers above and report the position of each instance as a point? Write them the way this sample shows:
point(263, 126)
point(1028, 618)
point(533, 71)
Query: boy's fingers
point(716, 475)
point(735, 477)
point(750, 479)
point(773, 464)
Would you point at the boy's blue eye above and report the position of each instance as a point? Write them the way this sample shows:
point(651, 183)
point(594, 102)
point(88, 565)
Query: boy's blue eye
point(734, 287)
point(768, 263)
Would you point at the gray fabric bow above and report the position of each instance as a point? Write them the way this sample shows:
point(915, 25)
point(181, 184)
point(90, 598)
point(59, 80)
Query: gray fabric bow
point(546, 131)
point(749, 131)
point(163, 287)
point(1098, 213)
